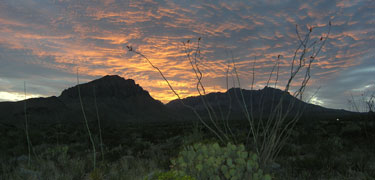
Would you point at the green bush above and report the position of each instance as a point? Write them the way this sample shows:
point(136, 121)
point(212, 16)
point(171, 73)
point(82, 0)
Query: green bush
point(211, 161)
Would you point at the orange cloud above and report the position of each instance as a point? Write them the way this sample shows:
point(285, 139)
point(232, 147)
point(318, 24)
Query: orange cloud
point(93, 37)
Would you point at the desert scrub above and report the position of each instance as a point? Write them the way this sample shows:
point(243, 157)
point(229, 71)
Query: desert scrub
point(210, 161)
point(53, 162)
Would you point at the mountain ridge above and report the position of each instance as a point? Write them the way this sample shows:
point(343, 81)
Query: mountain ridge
point(121, 100)
point(232, 99)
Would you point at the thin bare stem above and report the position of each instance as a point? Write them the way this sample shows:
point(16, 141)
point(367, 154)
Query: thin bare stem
point(27, 127)
point(247, 114)
point(86, 122)
point(194, 64)
point(99, 124)
point(230, 107)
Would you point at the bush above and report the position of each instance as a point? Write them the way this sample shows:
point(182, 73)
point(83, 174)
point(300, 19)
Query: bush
point(214, 162)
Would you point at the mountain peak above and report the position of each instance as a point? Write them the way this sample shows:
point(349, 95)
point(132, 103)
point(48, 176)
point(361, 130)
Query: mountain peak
point(107, 86)
point(111, 77)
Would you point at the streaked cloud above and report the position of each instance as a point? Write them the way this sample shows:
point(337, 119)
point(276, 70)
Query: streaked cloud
point(43, 42)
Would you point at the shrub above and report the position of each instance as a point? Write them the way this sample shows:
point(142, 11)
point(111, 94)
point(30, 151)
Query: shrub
point(211, 161)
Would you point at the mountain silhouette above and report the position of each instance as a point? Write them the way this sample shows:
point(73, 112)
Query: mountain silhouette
point(118, 100)
point(256, 101)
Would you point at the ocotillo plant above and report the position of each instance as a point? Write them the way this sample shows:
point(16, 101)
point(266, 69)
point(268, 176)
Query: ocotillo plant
point(271, 135)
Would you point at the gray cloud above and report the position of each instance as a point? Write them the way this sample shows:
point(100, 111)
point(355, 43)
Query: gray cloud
point(44, 41)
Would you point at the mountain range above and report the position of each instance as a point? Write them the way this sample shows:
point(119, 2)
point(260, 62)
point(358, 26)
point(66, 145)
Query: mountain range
point(116, 100)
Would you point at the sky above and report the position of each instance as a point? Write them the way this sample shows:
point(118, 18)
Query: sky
point(44, 42)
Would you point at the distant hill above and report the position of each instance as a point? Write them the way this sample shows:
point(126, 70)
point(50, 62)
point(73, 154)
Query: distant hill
point(118, 100)
point(255, 100)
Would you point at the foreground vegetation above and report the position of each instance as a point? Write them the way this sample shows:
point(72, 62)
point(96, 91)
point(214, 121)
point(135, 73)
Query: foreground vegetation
point(325, 149)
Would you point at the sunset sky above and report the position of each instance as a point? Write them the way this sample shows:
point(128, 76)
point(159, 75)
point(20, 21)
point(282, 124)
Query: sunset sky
point(42, 42)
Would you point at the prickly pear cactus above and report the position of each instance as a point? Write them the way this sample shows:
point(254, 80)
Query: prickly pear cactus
point(170, 175)
point(210, 161)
